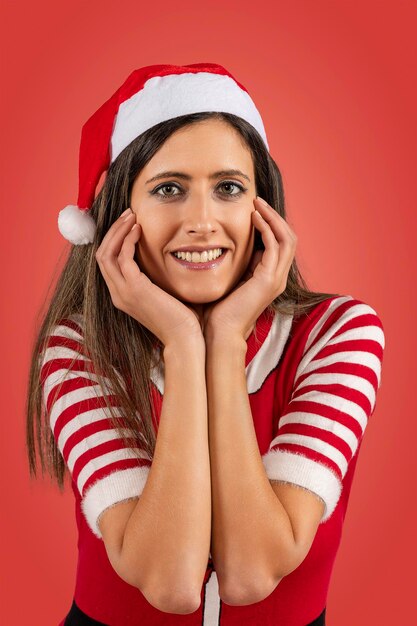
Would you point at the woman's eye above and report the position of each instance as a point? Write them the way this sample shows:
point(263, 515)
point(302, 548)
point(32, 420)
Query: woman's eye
point(170, 187)
point(231, 184)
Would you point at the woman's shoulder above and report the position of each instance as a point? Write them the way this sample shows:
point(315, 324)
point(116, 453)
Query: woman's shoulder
point(64, 336)
point(337, 319)
point(340, 322)
point(341, 306)
point(71, 326)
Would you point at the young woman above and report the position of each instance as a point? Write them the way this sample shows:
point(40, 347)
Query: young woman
point(207, 406)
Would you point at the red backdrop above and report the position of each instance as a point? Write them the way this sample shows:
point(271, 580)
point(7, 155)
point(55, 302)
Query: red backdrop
point(335, 83)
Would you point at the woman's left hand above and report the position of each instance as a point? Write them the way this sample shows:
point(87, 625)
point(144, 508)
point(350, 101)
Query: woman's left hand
point(264, 280)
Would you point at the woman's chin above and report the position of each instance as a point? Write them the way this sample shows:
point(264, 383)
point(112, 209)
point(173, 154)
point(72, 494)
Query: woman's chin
point(198, 300)
point(196, 296)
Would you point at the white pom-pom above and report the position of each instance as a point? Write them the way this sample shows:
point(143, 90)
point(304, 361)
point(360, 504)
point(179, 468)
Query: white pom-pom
point(75, 225)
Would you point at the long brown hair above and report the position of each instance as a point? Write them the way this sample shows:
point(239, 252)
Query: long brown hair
point(116, 343)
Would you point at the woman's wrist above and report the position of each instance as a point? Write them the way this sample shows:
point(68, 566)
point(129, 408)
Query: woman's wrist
point(189, 346)
point(222, 339)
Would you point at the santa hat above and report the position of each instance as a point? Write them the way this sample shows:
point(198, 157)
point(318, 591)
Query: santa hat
point(149, 95)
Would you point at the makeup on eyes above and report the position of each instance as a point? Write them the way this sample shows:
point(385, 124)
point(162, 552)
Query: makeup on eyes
point(242, 189)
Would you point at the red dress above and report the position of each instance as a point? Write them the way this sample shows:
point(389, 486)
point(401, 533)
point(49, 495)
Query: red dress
point(312, 384)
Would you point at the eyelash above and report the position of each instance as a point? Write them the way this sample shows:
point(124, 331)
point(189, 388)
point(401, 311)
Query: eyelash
point(225, 182)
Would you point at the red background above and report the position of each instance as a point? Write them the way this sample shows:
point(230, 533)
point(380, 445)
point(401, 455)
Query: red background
point(335, 83)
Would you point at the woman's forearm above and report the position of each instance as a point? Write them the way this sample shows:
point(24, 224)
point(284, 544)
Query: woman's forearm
point(170, 527)
point(251, 532)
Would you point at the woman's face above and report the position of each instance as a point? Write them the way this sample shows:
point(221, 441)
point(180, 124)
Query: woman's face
point(196, 205)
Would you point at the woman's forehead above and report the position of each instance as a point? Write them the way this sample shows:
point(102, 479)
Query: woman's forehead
point(200, 155)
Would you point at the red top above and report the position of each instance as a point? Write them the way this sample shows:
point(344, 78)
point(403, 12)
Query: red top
point(312, 383)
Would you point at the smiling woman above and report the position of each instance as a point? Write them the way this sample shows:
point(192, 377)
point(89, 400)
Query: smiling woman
point(196, 209)
point(206, 405)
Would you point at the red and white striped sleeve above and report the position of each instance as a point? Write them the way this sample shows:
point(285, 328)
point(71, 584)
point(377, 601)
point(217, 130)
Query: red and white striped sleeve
point(333, 396)
point(104, 469)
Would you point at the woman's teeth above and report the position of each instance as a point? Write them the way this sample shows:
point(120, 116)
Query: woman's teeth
point(196, 257)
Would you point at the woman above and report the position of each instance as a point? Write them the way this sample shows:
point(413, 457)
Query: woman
point(208, 407)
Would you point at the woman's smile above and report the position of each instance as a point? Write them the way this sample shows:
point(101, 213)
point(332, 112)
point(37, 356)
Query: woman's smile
point(197, 261)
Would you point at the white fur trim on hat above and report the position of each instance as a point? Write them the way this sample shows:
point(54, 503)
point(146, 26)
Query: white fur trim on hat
point(165, 97)
point(76, 225)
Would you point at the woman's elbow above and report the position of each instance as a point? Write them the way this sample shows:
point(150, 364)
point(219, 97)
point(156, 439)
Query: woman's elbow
point(168, 602)
point(162, 594)
point(169, 597)
point(239, 595)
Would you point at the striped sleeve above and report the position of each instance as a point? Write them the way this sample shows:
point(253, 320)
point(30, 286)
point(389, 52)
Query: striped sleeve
point(103, 468)
point(333, 396)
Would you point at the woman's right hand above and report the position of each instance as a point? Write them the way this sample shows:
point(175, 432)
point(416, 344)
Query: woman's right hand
point(134, 293)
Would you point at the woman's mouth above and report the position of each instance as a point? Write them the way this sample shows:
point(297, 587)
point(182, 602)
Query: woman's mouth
point(201, 264)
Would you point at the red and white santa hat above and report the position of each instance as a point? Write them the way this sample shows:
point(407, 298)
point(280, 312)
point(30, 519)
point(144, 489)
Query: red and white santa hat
point(149, 95)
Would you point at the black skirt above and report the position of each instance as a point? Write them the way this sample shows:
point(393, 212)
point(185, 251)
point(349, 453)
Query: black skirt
point(76, 617)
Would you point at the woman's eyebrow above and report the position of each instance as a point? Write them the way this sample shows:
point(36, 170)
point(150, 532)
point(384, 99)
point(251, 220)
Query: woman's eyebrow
point(173, 174)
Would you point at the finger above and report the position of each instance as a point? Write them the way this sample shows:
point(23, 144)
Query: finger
point(282, 231)
point(279, 226)
point(285, 236)
point(128, 267)
point(286, 252)
point(110, 247)
point(270, 256)
point(266, 210)
point(109, 267)
point(113, 239)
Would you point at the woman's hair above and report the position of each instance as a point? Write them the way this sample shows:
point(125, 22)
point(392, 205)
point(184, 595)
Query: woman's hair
point(117, 344)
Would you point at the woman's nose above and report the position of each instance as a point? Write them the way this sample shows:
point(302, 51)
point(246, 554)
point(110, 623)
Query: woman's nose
point(200, 216)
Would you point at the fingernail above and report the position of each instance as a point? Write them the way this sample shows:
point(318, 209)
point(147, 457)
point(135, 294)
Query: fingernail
point(262, 200)
point(129, 210)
